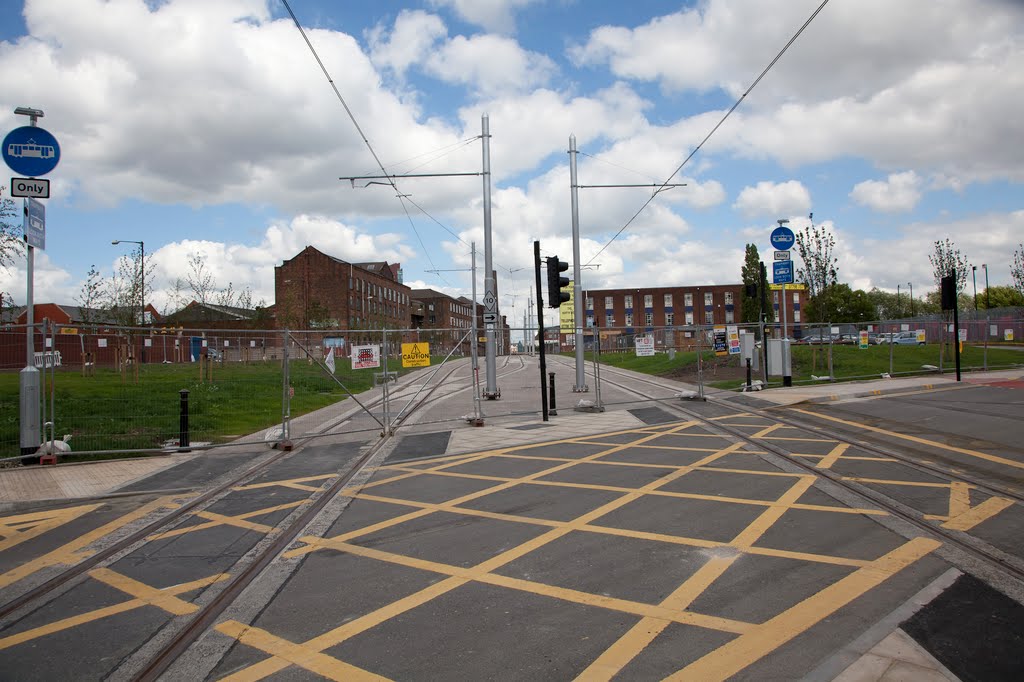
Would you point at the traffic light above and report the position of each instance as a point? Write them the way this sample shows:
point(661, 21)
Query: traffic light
point(556, 296)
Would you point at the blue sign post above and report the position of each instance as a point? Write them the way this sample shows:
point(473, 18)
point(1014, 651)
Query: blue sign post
point(35, 223)
point(31, 151)
point(782, 272)
point(783, 238)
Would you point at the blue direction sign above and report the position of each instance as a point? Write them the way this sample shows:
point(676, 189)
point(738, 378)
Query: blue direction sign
point(35, 223)
point(31, 151)
point(783, 238)
point(782, 272)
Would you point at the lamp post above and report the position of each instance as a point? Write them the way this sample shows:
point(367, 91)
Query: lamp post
point(974, 276)
point(985, 267)
point(899, 311)
point(911, 285)
point(142, 272)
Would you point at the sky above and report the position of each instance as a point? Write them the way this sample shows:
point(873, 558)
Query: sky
point(206, 127)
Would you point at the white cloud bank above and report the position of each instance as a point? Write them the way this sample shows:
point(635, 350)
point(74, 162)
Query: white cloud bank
point(899, 192)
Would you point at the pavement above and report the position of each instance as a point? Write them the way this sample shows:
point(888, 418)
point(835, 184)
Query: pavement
point(888, 654)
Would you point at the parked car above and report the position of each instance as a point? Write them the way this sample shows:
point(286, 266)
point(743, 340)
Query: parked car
point(883, 337)
point(907, 339)
point(821, 337)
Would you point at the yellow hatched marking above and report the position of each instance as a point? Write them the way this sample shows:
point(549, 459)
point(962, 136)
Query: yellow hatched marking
point(161, 599)
point(858, 458)
point(975, 515)
point(639, 637)
point(831, 458)
point(296, 654)
point(959, 498)
point(17, 529)
point(884, 481)
point(922, 441)
point(75, 551)
point(767, 430)
point(287, 483)
point(731, 658)
point(240, 521)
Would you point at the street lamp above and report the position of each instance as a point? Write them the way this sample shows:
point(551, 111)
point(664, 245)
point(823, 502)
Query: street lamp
point(899, 312)
point(911, 285)
point(142, 269)
point(985, 266)
point(974, 276)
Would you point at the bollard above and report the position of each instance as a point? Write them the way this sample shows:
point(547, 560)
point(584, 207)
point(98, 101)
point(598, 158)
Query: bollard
point(551, 393)
point(183, 422)
point(748, 375)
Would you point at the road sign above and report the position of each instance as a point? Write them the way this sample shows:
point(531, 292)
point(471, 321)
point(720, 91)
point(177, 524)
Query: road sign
point(30, 187)
point(490, 318)
point(782, 238)
point(415, 355)
point(782, 255)
point(782, 272)
point(31, 151)
point(490, 303)
point(35, 223)
point(644, 346)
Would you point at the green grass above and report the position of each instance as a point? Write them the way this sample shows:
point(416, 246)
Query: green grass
point(103, 413)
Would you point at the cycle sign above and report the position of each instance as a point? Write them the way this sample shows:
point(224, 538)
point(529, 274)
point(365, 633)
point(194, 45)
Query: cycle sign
point(31, 151)
point(783, 238)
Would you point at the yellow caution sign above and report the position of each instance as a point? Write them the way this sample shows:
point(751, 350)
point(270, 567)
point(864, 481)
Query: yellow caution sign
point(68, 330)
point(415, 355)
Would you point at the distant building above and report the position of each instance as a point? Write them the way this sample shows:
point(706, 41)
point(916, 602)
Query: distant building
point(210, 316)
point(62, 314)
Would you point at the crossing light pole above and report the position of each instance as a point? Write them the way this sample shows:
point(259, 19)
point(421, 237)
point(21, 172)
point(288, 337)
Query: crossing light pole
point(556, 297)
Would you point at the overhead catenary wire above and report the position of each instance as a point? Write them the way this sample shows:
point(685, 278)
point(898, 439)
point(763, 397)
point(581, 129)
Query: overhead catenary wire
point(718, 125)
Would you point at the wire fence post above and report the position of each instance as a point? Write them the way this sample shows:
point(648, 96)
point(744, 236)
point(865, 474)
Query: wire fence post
point(286, 394)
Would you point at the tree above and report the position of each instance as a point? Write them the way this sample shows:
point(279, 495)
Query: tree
point(199, 279)
point(1001, 297)
point(944, 260)
point(92, 296)
point(751, 273)
point(818, 270)
point(1017, 269)
point(839, 303)
point(11, 242)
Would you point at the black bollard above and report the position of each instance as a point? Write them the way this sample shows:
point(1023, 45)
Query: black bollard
point(748, 374)
point(183, 422)
point(551, 393)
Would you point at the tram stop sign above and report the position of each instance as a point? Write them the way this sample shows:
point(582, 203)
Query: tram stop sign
point(31, 151)
point(782, 238)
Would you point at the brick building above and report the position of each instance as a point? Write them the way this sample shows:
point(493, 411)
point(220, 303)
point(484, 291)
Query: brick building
point(315, 291)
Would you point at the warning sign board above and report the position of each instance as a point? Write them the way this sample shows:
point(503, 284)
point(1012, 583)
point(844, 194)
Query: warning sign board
point(365, 357)
point(415, 355)
point(721, 342)
point(567, 311)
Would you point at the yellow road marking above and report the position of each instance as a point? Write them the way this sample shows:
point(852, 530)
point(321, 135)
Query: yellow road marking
point(766, 430)
point(17, 529)
point(239, 521)
point(731, 658)
point(959, 498)
point(921, 441)
point(832, 457)
point(975, 515)
point(858, 458)
point(142, 592)
point(161, 599)
point(75, 551)
point(296, 654)
point(885, 481)
point(288, 483)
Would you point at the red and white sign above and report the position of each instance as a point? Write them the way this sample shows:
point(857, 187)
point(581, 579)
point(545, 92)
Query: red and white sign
point(365, 357)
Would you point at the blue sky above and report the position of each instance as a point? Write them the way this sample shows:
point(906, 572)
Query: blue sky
point(207, 128)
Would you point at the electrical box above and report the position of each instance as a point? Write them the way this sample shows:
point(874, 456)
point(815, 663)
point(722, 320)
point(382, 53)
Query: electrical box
point(780, 362)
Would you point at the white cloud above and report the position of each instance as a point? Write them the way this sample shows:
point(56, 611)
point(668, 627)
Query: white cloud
point(493, 15)
point(899, 192)
point(774, 199)
point(412, 37)
point(490, 64)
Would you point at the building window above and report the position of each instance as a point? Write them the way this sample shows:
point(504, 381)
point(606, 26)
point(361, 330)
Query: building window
point(688, 299)
point(590, 302)
point(648, 319)
point(609, 321)
point(629, 302)
point(668, 300)
point(607, 302)
point(629, 319)
point(689, 318)
point(709, 317)
point(728, 298)
point(796, 316)
point(729, 318)
point(708, 300)
point(648, 300)
point(590, 320)
point(775, 298)
point(670, 319)
point(796, 297)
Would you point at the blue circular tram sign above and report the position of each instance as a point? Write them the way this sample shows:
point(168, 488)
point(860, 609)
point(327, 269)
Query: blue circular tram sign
point(30, 151)
point(782, 238)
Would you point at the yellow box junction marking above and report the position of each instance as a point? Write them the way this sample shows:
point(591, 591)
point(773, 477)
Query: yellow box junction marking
point(17, 529)
point(671, 611)
point(962, 516)
point(75, 551)
point(143, 595)
point(293, 483)
point(240, 521)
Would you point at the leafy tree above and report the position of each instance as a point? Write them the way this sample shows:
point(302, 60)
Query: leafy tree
point(839, 303)
point(11, 243)
point(1017, 269)
point(92, 296)
point(751, 273)
point(245, 298)
point(1001, 297)
point(944, 260)
point(199, 279)
point(818, 270)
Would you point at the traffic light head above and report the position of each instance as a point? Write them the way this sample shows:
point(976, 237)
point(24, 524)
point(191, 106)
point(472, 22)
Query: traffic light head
point(556, 297)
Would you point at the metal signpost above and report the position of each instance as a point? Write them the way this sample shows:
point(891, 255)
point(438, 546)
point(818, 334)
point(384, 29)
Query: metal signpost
point(32, 151)
point(782, 239)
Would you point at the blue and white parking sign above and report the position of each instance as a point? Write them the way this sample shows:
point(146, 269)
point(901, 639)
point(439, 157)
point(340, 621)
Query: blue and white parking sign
point(31, 151)
point(782, 272)
point(782, 238)
point(35, 224)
